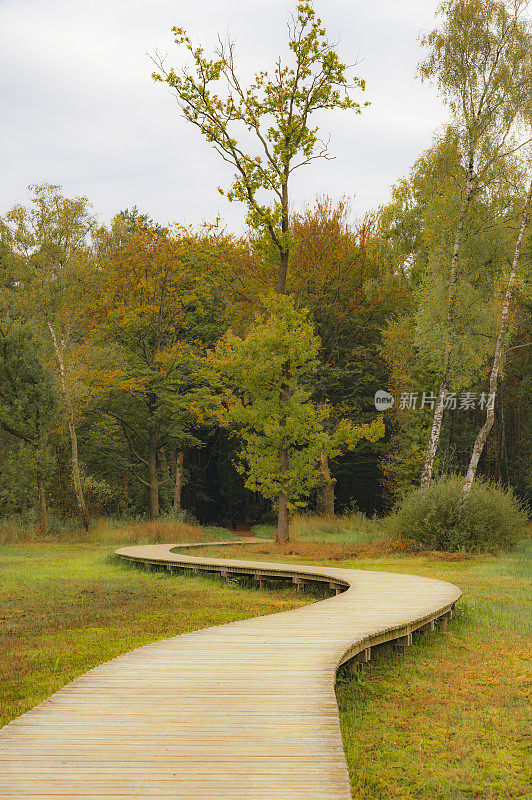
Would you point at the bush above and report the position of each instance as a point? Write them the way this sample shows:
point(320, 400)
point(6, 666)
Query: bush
point(492, 517)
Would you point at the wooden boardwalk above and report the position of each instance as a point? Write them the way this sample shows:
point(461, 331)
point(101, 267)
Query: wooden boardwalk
point(243, 710)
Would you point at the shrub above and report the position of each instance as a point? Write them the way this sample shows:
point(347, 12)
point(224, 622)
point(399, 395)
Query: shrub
point(492, 518)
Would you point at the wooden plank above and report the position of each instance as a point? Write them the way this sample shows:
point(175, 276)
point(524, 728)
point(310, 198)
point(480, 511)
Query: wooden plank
point(242, 710)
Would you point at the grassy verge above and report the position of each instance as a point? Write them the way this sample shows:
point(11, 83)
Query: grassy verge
point(66, 608)
point(112, 531)
point(446, 721)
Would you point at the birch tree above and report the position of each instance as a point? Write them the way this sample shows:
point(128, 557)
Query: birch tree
point(55, 275)
point(483, 434)
point(480, 59)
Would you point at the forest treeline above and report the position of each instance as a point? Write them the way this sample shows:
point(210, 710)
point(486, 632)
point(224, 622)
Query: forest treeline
point(106, 334)
point(150, 369)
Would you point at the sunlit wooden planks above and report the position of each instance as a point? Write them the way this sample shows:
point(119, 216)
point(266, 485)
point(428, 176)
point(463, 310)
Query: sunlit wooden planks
point(244, 710)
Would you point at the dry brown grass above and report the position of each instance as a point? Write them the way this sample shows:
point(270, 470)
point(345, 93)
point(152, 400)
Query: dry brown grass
point(303, 550)
point(108, 531)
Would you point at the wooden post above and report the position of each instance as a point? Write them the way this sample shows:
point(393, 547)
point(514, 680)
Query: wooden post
point(404, 641)
point(442, 621)
point(356, 663)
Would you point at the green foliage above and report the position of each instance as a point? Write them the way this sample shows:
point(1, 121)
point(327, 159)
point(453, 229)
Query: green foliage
point(481, 60)
point(54, 273)
point(149, 374)
point(417, 229)
point(277, 108)
point(28, 398)
point(129, 313)
point(269, 373)
point(28, 409)
point(490, 520)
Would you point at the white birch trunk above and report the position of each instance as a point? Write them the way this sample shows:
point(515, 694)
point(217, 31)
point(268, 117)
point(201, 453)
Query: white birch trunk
point(439, 409)
point(483, 433)
point(58, 348)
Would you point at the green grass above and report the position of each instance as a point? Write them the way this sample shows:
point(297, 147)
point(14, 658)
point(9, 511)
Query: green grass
point(66, 608)
point(446, 721)
point(351, 529)
point(348, 530)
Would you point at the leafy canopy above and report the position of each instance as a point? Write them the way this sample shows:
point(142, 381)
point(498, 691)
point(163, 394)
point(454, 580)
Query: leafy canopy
point(276, 108)
point(269, 374)
point(28, 397)
point(481, 60)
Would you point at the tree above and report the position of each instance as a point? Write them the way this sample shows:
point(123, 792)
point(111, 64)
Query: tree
point(339, 276)
point(156, 318)
point(416, 230)
point(270, 373)
point(340, 438)
point(481, 60)
point(277, 109)
point(28, 402)
point(55, 277)
point(483, 434)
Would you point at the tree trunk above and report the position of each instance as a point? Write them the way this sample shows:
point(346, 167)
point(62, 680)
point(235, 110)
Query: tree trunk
point(434, 438)
point(326, 489)
point(58, 348)
point(43, 514)
point(283, 534)
point(283, 272)
point(285, 224)
point(125, 486)
point(163, 461)
point(152, 472)
point(439, 408)
point(483, 433)
point(180, 457)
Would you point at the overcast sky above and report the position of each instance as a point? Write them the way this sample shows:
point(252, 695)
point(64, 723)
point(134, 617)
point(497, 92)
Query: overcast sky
point(79, 107)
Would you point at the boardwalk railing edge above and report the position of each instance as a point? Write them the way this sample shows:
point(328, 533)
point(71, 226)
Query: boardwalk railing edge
point(358, 652)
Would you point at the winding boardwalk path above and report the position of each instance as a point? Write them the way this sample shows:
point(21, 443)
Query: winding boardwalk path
point(243, 710)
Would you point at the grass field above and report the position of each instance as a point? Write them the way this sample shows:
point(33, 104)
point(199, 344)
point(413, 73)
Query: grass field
point(447, 721)
point(66, 608)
